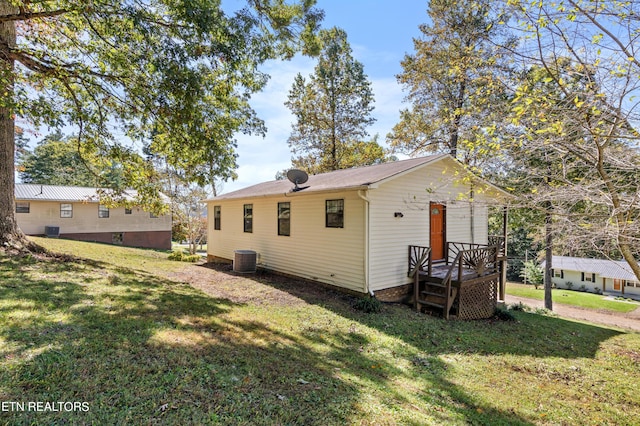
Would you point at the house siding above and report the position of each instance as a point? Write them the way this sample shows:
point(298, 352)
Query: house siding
point(86, 225)
point(411, 194)
point(575, 278)
point(603, 284)
point(329, 255)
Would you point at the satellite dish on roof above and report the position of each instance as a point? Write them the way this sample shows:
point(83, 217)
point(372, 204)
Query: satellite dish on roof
point(297, 177)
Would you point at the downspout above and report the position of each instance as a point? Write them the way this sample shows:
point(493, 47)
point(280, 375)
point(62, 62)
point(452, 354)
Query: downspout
point(472, 212)
point(363, 194)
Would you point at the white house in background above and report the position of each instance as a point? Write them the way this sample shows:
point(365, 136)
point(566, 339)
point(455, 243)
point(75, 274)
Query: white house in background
point(595, 275)
point(352, 228)
point(76, 213)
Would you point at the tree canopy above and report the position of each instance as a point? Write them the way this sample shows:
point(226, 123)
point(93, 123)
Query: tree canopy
point(332, 111)
point(456, 83)
point(59, 160)
point(173, 75)
point(577, 110)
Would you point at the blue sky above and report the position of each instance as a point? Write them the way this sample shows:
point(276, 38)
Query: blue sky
point(380, 32)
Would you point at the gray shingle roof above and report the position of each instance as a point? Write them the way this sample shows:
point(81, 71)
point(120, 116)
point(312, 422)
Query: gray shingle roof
point(355, 178)
point(603, 267)
point(32, 192)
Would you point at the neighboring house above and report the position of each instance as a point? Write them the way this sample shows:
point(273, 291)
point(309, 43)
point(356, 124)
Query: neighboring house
point(352, 228)
point(76, 213)
point(596, 275)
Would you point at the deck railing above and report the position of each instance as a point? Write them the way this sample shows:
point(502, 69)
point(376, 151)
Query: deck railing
point(470, 262)
point(483, 260)
point(499, 241)
point(419, 259)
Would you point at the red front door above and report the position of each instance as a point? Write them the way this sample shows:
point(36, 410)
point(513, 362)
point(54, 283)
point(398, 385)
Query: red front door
point(437, 226)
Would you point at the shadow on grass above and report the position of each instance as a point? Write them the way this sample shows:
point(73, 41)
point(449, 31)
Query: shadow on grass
point(533, 335)
point(141, 349)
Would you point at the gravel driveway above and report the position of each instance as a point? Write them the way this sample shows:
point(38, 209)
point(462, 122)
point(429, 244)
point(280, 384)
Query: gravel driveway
point(630, 320)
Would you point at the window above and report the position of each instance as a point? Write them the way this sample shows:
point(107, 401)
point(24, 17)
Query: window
point(334, 214)
point(23, 207)
point(66, 210)
point(284, 219)
point(216, 217)
point(103, 211)
point(116, 238)
point(589, 277)
point(248, 218)
point(558, 273)
point(127, 211)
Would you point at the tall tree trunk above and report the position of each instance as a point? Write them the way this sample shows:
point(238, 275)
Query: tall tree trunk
point(10, 234)
point(548, 253)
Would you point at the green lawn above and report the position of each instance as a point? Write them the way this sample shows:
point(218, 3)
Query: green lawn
point(572, 297)
point(138, 347)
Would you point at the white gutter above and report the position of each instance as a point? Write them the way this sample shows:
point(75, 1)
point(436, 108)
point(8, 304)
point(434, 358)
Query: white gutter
point(363, 194)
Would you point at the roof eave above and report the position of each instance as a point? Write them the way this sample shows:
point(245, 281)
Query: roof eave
point(292, 193)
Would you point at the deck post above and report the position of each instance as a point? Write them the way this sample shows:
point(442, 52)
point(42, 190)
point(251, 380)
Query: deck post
point(416, 291)
point(503, 261)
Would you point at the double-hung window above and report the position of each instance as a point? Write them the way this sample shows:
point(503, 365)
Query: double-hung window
point(23, 207)
point(103, 212)
point(284, 219)
point(66, 210)
point(334, 214)
point(217, 216)
point(248, 218)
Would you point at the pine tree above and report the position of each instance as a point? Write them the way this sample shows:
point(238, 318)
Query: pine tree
point(332, 110)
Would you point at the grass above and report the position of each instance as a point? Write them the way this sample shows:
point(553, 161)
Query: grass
point(572, 297)
point(139, 347)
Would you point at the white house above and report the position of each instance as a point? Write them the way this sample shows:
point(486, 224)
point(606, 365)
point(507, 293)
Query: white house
point(352, 228)
point(594, 275)
point(76, 213)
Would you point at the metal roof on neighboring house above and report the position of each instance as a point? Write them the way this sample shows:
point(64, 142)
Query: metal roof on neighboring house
point(605, 268)
point(345, 179)
point(33, 192)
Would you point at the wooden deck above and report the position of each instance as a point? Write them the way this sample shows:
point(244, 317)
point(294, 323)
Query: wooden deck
point(464, 285)
point(440, 271)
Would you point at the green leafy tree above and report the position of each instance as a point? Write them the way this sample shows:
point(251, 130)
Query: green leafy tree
point(578, 110)
point(455, 83)
point(356, 154)
point(332, 111)
point(532, 273)
point(57, 160)
point(174, 75)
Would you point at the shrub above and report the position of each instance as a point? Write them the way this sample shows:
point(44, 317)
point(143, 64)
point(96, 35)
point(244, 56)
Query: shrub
point(569, 285)
point(176, 255)
point(504, 314)
point(533, 273)
point(598, 290)
point(518, 307)
point(181, 256)
point(368, 305)
point(583, 288)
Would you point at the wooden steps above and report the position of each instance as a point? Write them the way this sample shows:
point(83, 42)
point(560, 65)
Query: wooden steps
point(461, 287)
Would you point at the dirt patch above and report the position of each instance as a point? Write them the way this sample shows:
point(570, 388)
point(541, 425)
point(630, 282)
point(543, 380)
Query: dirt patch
point(218, 280)
point(263, 287)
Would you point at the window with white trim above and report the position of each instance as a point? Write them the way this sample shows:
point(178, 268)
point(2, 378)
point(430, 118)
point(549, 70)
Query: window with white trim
point(103, 212)
point(23, 207)
point(66, 210)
